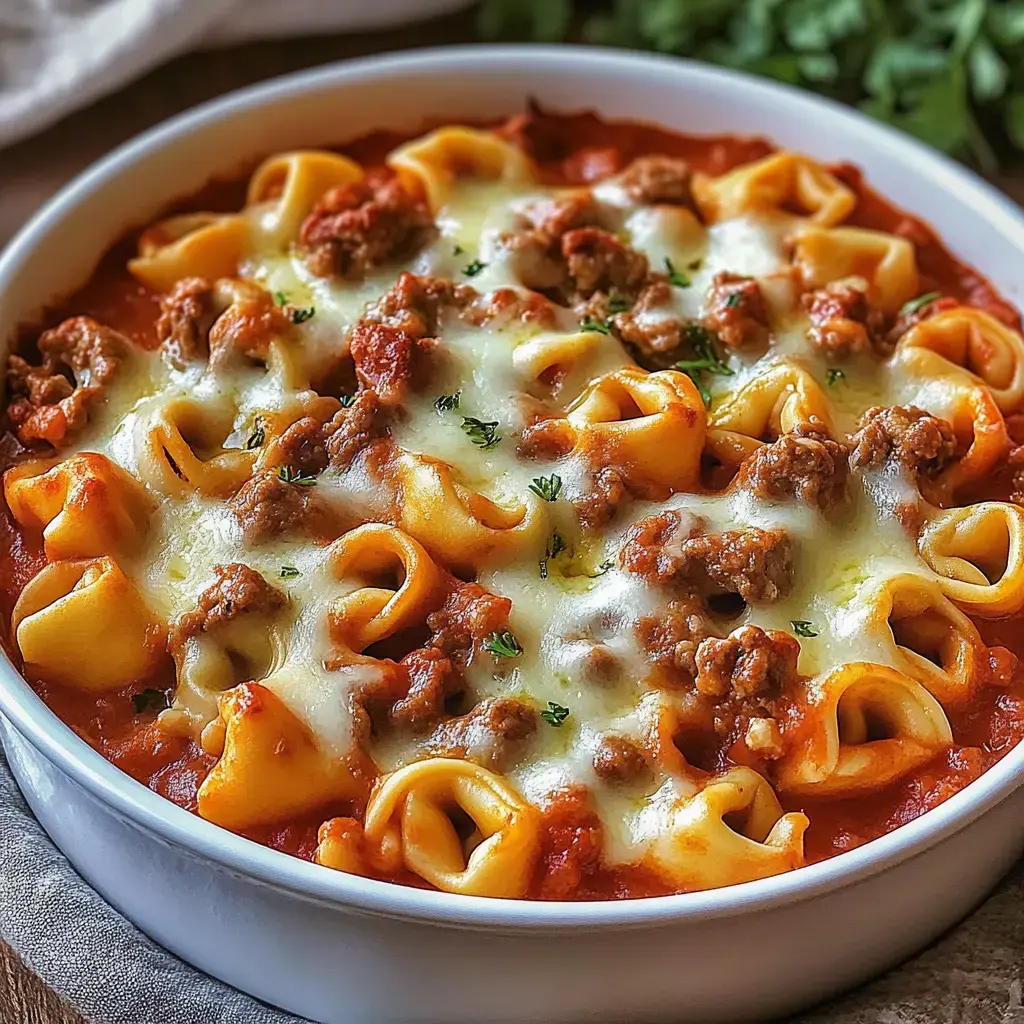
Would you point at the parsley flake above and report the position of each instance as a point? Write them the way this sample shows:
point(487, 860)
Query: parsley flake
point(803, 627)
point(258, 436)
point(503, 645)
point(298, 315)
point(483, 434)
point(601, 326)
point(289, 572)
point(601, 569)
point(676, 278)
point(701, 340)
point(734, 300)
point(149, 700)
point(474, 268)
point(547, 488)
point(555, 547)
point(446, 403)
point(347, 401)
point(554, 714)
point(915, 305)
point(457, 250)
point(617, 304)
point(296, 476)
point(833, 373)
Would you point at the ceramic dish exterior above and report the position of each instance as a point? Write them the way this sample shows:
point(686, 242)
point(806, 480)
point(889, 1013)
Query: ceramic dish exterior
point(337, 947)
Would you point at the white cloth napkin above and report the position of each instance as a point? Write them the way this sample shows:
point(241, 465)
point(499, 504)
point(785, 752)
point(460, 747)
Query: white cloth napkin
point(113, 974)
point(56, 55)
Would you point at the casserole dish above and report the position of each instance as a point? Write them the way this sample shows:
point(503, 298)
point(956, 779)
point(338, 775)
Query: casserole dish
point(310, 940)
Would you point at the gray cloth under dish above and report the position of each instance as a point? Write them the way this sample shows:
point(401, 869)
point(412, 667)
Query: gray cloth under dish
point(113, 974)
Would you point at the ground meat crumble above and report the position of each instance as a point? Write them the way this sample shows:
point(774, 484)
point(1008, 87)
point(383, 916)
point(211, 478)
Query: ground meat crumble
point(904, 436)
point(671, 547)
point(805, 463)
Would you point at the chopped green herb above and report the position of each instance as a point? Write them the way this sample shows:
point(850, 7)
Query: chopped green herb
point(555, 547)
point(602, 569)
point(296, 476)
point(289, 572)
point(803, 627)
point(257, 437)
point(705, 395)
point(483, 434)
point(590, 324)
point(457, 250)
point(915, 305)
point(446, 403)
point(547, 488)
point(474, 268)
point(149, 700)
point(503, 645)
point(734, 300)
point(300, 315)
point(702, 342)
point(617, 304)
point(554, 714)
point(347, 401)
point(833, 373)
point(947, 71)
point(676, 277)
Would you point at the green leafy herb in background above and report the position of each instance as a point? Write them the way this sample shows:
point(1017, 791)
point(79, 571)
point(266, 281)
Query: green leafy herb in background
point(950, 72)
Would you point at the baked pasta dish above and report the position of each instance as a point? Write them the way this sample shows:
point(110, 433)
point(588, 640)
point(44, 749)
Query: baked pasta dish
point(555, 509)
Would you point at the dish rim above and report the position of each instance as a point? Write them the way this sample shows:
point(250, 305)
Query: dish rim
point(155, 814)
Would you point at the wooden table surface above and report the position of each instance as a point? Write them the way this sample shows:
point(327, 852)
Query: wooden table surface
point(33, 170)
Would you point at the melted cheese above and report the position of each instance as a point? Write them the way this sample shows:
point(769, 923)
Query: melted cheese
point(557, 619)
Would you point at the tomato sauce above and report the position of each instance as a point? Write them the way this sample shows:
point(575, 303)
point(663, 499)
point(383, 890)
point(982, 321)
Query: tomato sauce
point(572, 149)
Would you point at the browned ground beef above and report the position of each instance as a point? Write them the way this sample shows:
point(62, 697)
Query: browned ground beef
point(50, 401)
point(598, 261)
point(736, 312)
point(237, 590)
point(843, 322)
point(668, 547)
point(490, 735)
point(658, 179)
point(618, 760)
point(389, 360)
point(749, 661)
point(266, 506)
point(805, 463)
point(357, 227)
point(905, 436)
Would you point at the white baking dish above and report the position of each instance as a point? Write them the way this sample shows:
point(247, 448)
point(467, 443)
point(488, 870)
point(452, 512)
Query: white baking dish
point(337, 947)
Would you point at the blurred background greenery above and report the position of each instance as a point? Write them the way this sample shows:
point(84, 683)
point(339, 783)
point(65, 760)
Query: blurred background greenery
point(950, 72)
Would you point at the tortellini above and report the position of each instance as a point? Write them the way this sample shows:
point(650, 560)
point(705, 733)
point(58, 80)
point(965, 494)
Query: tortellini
point(408, 822)
point(86, 606)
